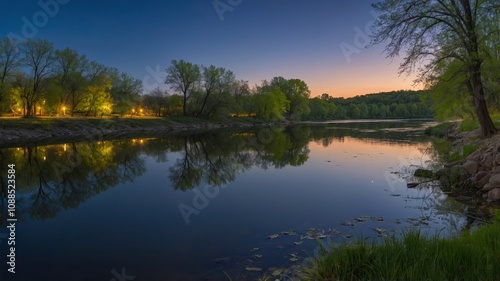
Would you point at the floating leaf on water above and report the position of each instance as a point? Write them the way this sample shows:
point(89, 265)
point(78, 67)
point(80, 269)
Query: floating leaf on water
point(277, 272)
point(254, 269)
point(274, 236)
point(381, 231)
point(258, 256)
point(347, 236)
point(395, 195)
point(380, 219)
point(294, 259)
point(348, 223)
point(222, 260)
point(298, 243)
point(254, 249)
point(333, 231)
point(360, 219)
point(289, 233)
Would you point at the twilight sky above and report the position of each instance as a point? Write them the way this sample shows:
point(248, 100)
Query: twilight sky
point(319, 41)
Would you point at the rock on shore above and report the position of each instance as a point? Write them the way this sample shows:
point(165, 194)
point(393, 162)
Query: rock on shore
point(482, 167)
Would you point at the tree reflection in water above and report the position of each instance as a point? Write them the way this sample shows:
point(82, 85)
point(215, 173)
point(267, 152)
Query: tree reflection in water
point(60, 177)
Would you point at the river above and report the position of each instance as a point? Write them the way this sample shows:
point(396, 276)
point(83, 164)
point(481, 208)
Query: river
point(222, 203)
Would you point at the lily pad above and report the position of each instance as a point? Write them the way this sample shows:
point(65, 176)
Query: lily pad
point(294, 259)
point(274, 236)
point(298, 243)
point(258, 256)
point(277, 272)
point(254, 269)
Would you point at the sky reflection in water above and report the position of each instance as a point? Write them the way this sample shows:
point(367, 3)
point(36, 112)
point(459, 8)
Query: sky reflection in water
point(88, 208)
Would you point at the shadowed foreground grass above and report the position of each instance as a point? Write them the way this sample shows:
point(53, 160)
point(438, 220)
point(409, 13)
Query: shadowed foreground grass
point(470, 256)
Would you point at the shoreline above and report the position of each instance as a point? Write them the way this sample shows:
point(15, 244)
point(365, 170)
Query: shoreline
point(18, 131)
point(476, 173)
point(39, 131)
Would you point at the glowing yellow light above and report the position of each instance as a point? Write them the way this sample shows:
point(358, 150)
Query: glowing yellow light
point(64, 146)
point(44, 158)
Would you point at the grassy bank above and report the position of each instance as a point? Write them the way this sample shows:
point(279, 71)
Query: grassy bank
point(471, 256)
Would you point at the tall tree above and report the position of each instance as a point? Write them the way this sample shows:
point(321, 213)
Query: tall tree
point(70, 70)
point(297, 92)
point(125, 91)
point(38, 57)
point(438, 31)
point(9, 55)
point(182, 76)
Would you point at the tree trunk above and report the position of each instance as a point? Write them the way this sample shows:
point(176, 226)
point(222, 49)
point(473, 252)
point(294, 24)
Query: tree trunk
point(184, 105)
point(487, 127)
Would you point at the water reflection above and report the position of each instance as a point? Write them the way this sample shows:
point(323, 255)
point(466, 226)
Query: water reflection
point(60, 177)
point(278, 179)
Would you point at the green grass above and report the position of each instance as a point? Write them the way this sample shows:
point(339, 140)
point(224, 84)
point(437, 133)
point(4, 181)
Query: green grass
point(468, 124)
point(440, 130)
point(467, 150)
point(470, 256)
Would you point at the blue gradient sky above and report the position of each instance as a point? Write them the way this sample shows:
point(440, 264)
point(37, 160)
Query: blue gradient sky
point(258, 39)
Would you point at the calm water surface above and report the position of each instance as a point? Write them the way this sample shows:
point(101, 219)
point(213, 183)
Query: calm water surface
point(194, 206)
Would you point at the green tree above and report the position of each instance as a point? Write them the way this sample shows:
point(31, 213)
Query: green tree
point(182, 76)
point(125, 91)
point(297, 92)
point(38, 57)
point(271, 105)
point(70, 70)
point(9, 60)
point(441, 31)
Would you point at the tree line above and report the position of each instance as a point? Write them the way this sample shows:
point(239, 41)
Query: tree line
point(396, 104)
point(37, 79)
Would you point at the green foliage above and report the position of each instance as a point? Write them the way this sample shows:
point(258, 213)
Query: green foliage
point(466, 150)
point(468, 125)
point(397, 104)
point(470, 256)
point(440, 130)
point(271, 105)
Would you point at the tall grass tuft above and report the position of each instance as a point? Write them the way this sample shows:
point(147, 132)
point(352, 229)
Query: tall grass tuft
point(470, 256)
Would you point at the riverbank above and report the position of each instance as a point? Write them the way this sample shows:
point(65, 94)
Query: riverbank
point(471, 256)
point(22, 131)
point(473, 165)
